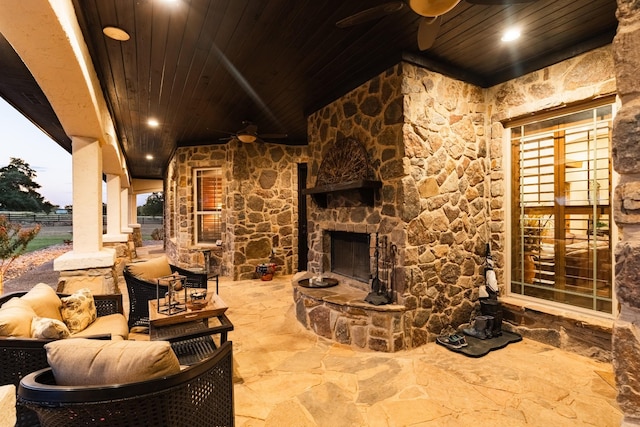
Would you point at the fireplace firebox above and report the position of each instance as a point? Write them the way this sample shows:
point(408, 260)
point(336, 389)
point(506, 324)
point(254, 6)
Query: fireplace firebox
point(350, 255)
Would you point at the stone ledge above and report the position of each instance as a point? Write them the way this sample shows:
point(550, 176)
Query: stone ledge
point(345, 295)
point(579, 333)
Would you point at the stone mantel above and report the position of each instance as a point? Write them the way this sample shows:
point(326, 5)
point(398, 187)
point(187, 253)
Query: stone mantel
point(366, 188)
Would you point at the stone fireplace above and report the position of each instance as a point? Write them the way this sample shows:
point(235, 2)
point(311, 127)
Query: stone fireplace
point(424, 190)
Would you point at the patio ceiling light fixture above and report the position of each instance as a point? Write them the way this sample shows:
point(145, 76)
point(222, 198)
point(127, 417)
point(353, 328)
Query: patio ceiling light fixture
point(245, 136)
point(153, 123)
point(149, 157)
point(116, 33)
point(512, 34)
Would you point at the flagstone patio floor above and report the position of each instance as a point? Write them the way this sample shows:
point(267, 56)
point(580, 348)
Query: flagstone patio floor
point(286, 375)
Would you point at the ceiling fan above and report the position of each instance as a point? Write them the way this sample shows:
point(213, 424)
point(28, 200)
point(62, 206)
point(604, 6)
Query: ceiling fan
point(249, 133)
point(430, 10)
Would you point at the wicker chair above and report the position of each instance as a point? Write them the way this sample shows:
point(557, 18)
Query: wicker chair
point(20, 356)
point(141, 291)
point(200, 395)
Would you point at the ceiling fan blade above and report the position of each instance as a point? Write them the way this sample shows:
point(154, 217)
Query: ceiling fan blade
point(428, 31)
point(370, 14)
point(499, 2)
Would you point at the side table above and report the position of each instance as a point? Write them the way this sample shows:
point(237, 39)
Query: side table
point(191, 332)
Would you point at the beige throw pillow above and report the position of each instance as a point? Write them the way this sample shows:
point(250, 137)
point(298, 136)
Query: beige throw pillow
point(151, 269)
point(44, 301)
point(15, 318)
point(81, 361)
point(78, 310)
point(43, 327)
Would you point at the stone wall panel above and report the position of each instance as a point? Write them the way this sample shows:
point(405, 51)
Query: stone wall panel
point(259, 211)
point(626, 347)
point(628, 273)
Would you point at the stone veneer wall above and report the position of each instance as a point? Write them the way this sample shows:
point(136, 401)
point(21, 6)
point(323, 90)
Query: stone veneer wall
point(425, 137)
point(262, 223)
point(436, 143)
point(260, 210)
point(582, 78)
point(626, 161)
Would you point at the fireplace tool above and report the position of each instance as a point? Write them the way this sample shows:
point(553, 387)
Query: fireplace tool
point(392, 276)
point(378, 295)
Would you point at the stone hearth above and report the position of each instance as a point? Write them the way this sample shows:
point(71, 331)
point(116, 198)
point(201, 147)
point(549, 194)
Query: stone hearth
point(340, 313)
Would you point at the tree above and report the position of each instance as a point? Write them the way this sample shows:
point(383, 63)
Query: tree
point(13, 243)
point(18, 190)
point(153, 206)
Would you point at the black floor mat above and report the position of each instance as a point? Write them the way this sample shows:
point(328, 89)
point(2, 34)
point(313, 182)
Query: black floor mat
point(478, 348)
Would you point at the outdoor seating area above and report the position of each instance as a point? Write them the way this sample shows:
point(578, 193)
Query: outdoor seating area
point(283, 374)
point(181, 373)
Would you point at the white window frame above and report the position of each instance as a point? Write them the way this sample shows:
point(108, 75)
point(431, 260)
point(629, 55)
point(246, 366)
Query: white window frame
point(538, 303)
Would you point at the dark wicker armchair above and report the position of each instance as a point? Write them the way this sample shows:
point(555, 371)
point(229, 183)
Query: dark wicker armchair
point(20, 356)
point(200, 395)
point(141, 291)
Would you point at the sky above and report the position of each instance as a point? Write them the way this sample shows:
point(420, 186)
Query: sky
point(22, 139)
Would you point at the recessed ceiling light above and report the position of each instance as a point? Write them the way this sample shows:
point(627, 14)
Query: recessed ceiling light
point(149, 157)
point(153, 123)
point(116, 33)
point(511, 34)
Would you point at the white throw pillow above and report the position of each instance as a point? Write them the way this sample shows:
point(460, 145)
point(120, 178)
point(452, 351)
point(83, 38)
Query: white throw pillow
point(43, 327)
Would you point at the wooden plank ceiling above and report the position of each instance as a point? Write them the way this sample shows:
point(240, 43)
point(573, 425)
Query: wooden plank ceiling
point(203, 67)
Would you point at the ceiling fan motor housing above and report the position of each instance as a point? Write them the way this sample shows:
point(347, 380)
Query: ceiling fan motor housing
point(432, 7)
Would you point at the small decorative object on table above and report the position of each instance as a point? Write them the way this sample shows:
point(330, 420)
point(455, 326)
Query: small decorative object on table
point(170, 303)
point(197, 299)
point(266, 270)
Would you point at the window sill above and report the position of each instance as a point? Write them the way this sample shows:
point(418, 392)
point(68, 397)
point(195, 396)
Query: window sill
point(599, 320)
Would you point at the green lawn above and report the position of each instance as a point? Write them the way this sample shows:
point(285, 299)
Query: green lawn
point(55, 235)
point(43, 240)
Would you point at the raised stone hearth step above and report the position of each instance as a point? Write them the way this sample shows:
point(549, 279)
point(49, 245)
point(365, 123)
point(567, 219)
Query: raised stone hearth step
point(346, 295)
point(340, 313)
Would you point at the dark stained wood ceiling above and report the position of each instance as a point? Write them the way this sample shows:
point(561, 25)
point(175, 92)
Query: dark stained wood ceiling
point(203, 67)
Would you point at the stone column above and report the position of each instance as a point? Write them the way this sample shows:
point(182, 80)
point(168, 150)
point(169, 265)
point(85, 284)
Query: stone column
point(114, 212)
point(88, 264)
point(626, 161)
point(87, 195)
point(136, 228)
point(125, 211)
point(133, 211)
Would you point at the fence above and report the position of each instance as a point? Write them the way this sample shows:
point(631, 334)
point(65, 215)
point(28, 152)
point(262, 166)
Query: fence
point(63, 219)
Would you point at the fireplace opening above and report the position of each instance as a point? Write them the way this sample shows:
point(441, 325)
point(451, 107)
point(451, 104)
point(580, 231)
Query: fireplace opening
point(350, 255)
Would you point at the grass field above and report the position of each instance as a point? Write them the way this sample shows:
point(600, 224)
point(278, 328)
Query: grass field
point(55, 235)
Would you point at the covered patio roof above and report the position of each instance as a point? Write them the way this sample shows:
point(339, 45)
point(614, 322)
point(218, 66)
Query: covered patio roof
point(201, 68)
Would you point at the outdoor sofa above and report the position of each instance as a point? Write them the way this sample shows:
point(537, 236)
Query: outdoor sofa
point(20, 355)
point(200, 395)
